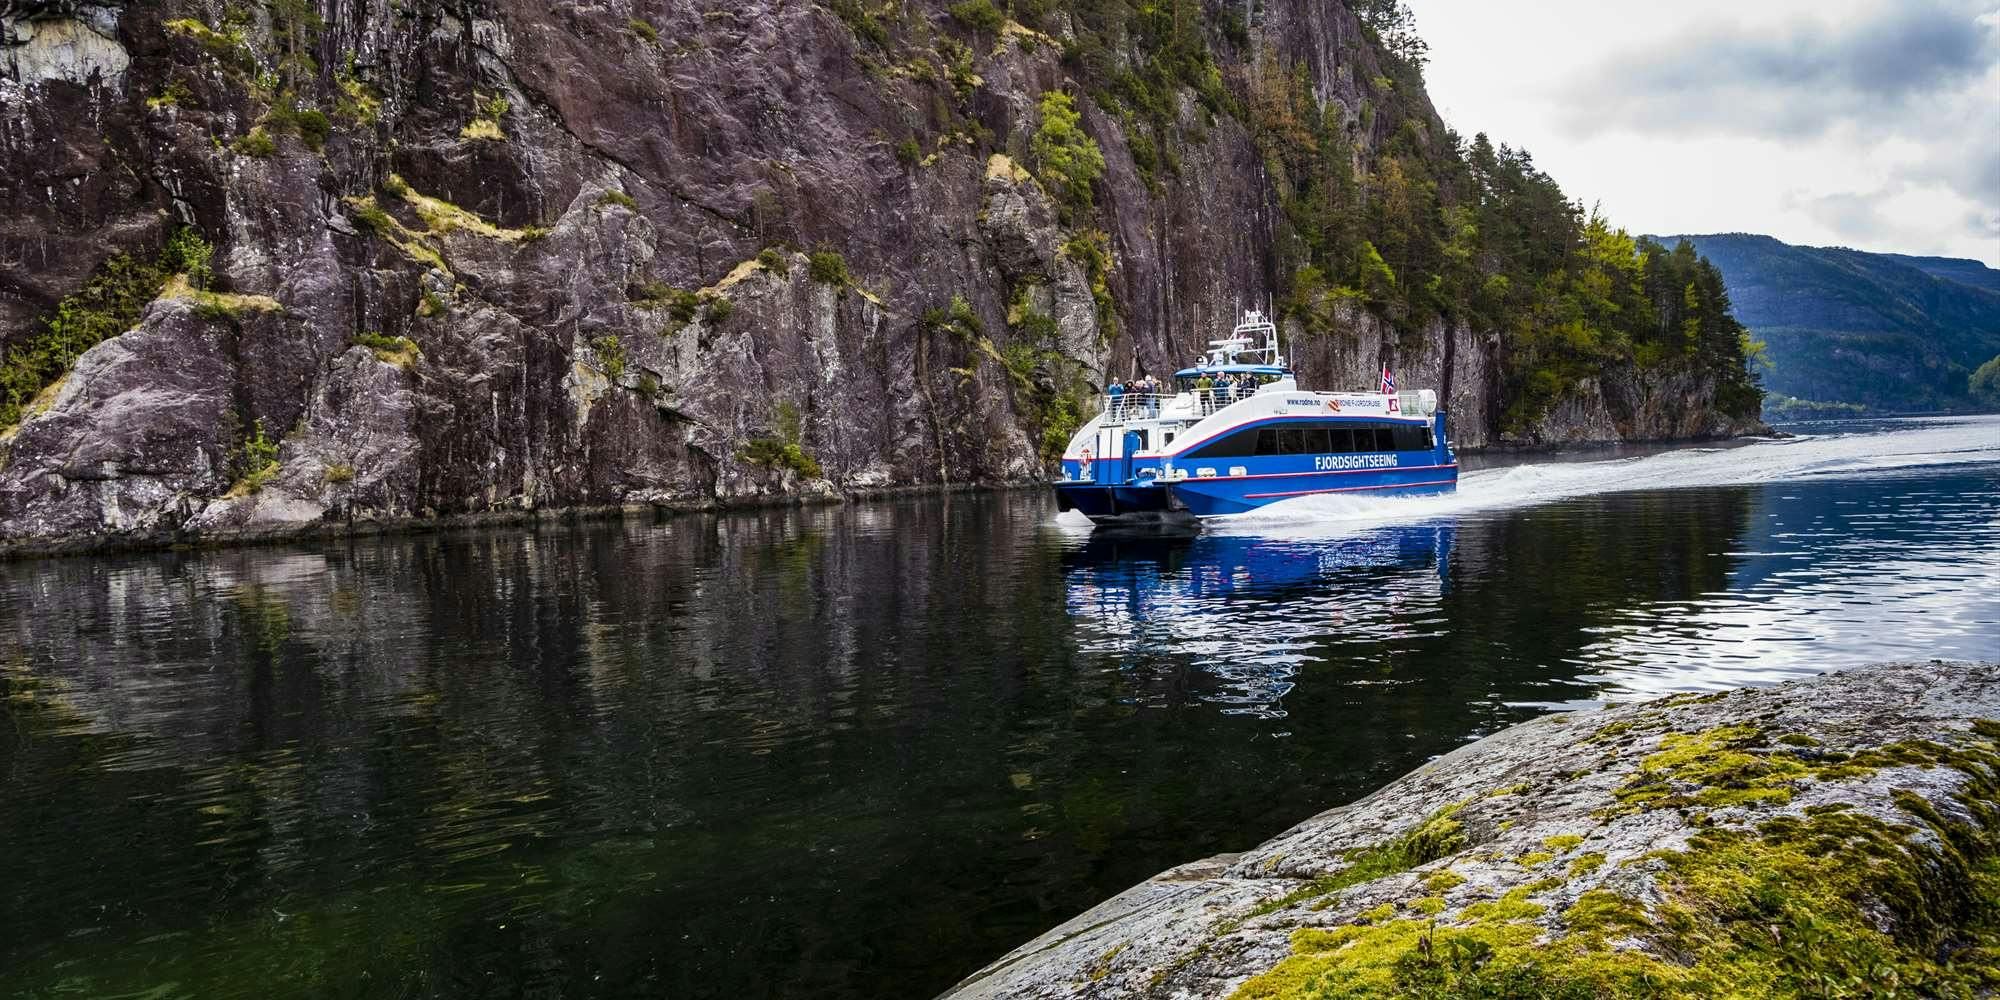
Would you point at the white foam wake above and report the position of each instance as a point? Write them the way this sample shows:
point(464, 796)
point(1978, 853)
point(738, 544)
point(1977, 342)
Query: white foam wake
point(1896, 446)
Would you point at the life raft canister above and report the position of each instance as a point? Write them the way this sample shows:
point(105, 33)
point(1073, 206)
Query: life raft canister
point(1083, 467)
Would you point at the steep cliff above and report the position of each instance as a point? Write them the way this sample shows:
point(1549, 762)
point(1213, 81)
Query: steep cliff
point(491, 255)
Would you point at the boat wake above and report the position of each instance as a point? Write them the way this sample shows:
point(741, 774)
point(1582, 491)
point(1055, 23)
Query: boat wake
point(1902, 445)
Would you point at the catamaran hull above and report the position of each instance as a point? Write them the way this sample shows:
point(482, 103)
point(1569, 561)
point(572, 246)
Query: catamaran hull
point(1186, 500)
point(1239, 495)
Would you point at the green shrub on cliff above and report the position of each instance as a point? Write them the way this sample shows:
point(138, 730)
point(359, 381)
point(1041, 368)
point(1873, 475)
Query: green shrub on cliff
point(108, 304)
point(611, 354)
point(979, 15)
point(644, 29)
point(256, 462)
point(257, 143)
point(829, 268)
point(785, 449)
point(187, 254)
point(1067, 160)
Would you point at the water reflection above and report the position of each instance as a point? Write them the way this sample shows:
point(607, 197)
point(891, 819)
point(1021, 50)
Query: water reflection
point(846, 752)
point(1249, 612)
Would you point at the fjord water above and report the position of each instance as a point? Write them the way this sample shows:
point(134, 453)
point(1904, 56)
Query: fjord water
point(860, 751)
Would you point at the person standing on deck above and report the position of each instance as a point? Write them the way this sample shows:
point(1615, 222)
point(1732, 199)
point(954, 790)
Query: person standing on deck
point(1117, 394)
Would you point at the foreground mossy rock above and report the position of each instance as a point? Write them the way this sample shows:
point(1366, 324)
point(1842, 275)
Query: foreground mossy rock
point(1838, 836)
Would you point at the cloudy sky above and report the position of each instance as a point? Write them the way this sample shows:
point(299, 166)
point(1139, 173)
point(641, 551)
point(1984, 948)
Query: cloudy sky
point(1866, 123)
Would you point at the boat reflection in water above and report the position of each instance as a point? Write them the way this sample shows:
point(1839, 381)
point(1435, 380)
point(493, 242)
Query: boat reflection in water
point(1249, 614)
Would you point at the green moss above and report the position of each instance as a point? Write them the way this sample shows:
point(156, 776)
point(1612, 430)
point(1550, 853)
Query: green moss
point(644, 29)
point(1509, 790)
point(1585, 864)
point(618, 198)
point(1534, 859)
point(774, 260)
point(1562, 842)
point(1443, 880)
point(1798, 740)
point(339, 474)
point(1437, 836)
point(1833, 903)
point(1720, 767)
point(1428, 905)
point(399, 351)
point(719, 310)
point(1513, 906)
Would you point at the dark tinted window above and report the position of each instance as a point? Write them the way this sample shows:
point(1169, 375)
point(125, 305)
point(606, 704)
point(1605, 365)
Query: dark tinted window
point(1413, 437)
point(1292, 441)
point(1340, 439)
point(1235, 445)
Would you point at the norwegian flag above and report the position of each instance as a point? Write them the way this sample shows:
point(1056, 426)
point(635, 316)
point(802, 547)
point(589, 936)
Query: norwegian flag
point(1388, 382)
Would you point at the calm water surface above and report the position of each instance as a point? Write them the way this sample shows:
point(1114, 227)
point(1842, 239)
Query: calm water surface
point(858, 752)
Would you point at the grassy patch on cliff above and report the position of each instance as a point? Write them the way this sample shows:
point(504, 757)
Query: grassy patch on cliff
point(108, 304)
point(784, 449)
point(399, 351)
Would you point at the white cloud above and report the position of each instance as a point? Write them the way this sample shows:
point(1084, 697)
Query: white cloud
point(1870, 123)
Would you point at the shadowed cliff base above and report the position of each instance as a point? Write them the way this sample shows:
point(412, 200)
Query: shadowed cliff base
point(1843, 829)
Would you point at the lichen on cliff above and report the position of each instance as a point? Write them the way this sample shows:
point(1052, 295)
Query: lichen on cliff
point(1766, 904)
point(1833, 837)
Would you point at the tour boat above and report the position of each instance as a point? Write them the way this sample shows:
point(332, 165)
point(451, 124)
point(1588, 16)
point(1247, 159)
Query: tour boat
point(1192, 450)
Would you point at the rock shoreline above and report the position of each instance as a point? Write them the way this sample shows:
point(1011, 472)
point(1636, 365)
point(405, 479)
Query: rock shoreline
point(1838, 835)
point(379, 527)
point(370, 526)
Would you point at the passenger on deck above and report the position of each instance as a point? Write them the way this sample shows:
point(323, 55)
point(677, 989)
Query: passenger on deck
point(1251, 383)
point(1149, 403)
point(1204, 393)
point(1117, 394)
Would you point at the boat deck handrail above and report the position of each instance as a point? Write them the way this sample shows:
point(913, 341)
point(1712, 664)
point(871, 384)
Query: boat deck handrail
point(1133, 406)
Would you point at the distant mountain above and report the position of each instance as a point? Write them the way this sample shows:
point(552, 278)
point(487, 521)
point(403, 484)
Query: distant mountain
point(1886, 331)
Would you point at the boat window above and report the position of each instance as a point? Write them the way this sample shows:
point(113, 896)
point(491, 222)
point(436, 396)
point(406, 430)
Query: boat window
point(1235, 445)
point(1267, 441)
point(1292, 441)
point(1340, 439)
point(1413, 437)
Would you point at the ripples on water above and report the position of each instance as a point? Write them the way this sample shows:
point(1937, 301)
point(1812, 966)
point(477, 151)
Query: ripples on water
point(859, 751)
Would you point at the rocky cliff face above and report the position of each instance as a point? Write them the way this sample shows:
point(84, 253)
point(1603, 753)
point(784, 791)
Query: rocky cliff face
point(494, 255)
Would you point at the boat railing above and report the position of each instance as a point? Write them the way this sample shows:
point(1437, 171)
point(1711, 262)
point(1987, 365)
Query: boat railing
point(1134, 406)
point(1131, 406)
